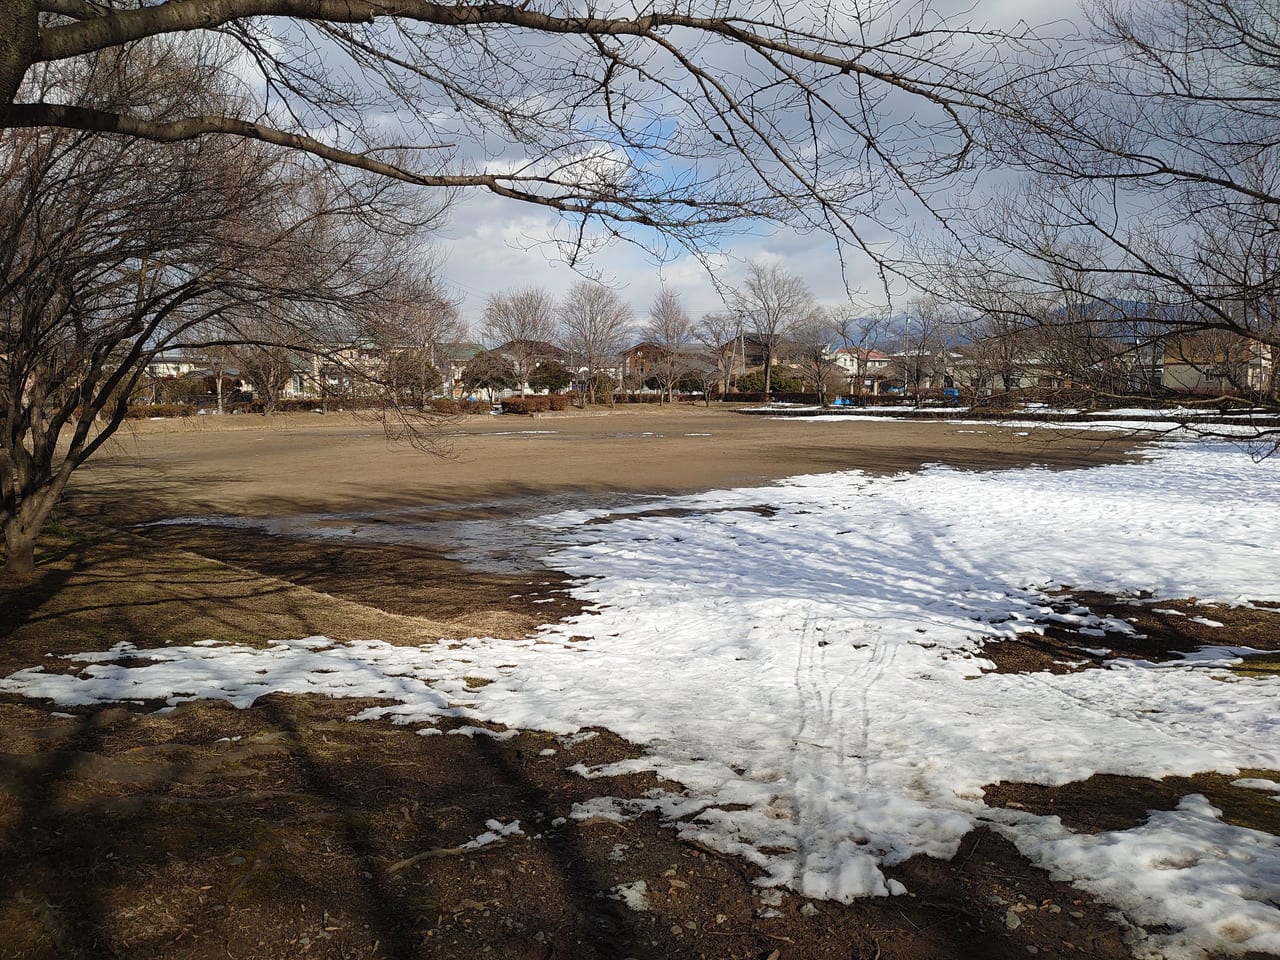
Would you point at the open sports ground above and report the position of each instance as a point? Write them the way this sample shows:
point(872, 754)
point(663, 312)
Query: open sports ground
point(649, 683)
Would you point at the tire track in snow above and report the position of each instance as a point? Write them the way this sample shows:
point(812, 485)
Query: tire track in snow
point(834, 723)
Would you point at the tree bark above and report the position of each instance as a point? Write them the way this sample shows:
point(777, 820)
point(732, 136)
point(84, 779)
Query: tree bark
point(18, 42)
point(20, 534)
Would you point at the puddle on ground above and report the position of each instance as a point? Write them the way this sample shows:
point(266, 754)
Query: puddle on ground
point(759, 509)
point(506, 535)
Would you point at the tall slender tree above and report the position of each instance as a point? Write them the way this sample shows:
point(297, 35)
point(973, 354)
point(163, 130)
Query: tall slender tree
point(594, 325)
point(772, 302)
point(671, 331)
point(522, 323)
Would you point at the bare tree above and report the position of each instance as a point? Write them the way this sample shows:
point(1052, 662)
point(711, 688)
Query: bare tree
point(273, 352)
point(925, 332)
point(702, 375)
point(813, 352)
point(521, 323)
point(671, 331)
point(772, 301)
point(423, 316)
point(1149, 211)
point(413, 337)
point(594, 326)
point(113, 250)
point(559, 108)
point(859, 332)
point(718, 334)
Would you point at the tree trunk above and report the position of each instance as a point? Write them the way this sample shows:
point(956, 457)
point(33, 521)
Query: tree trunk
point(18, 39)
point(20, 534)
point(19, 558)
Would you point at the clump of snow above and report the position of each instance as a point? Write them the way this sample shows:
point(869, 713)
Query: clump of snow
point(814, 679)
point(472, 732)
point(634, 895)
point(1256, 783)
point(497, 831)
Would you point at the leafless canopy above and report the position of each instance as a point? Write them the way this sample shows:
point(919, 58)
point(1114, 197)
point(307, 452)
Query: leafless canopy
point(670, 330)
point(1137, 245)
point(1152, 175)
point(773, 302)
point(718, 334)
point(670, 121)
point(594, 326)
point(521, 323)
point(113, 250)
point(813, 345)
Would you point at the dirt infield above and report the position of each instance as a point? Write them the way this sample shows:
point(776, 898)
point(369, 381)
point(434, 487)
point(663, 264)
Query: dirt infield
point(312, 463)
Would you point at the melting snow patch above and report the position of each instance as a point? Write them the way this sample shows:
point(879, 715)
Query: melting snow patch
point(1256, 783)
point(497, 831)
point(1207, 885)
point(635, 895)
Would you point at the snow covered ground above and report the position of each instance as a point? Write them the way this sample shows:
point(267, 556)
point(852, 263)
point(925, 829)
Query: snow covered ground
point(810, 674)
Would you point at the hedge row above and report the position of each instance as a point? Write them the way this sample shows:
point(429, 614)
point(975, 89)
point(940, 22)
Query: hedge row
point(451, 406)
point(150, 410)
point(536, 404)
point(776, 396)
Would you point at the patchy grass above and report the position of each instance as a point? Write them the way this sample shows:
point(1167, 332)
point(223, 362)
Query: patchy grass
point(1166, 629)
point(1260, 665)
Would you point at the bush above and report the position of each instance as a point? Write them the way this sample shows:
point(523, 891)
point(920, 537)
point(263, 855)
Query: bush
point(180, 390)
point(447, 405)
point(797, 396)
point(538, 403)
point(526, 405)
point(779, 382)
point(149, 410)
point(637, 398)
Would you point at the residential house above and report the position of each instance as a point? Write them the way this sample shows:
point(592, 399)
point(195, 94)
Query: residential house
point(1215, 362)
point(874, 367)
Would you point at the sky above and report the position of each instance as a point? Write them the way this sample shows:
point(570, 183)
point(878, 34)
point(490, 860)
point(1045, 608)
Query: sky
point(492, 244)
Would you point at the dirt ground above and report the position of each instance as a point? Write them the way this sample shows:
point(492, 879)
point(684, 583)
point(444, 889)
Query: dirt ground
point(304, 463)
point(282, 830)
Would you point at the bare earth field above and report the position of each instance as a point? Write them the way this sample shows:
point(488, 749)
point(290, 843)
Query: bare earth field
point(282, 830)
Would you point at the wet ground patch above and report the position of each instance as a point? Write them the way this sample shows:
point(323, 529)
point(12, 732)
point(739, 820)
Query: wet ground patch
point(759, 509)
point(1107, 802)
point(403, 579)
point(1085, 630)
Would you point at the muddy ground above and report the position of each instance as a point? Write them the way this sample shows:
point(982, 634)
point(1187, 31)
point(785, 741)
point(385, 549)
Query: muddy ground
point(283, 830)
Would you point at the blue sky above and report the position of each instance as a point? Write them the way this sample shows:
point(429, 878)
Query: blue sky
point(491, 244)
